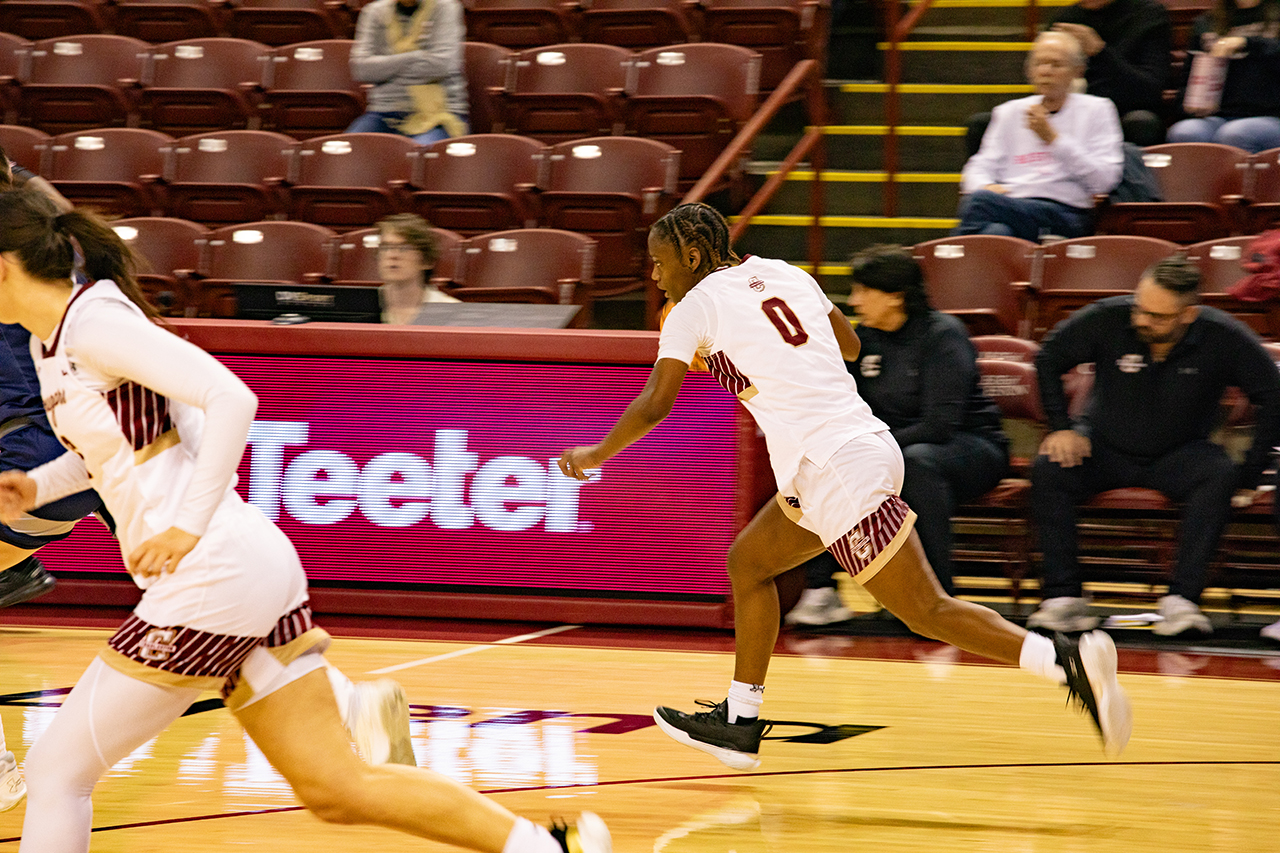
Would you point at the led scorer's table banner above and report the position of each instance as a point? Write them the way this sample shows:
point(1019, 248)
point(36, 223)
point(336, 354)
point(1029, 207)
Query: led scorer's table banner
point(386, 469)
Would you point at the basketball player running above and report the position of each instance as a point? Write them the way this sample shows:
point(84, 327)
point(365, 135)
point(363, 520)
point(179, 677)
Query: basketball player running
point(772, 337)
point(157, 427)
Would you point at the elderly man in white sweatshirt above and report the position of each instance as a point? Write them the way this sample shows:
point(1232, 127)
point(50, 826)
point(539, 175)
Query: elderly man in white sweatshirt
point(1044, 156)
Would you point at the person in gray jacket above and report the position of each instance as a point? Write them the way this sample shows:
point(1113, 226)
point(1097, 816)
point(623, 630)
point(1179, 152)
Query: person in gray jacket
point(411, 51)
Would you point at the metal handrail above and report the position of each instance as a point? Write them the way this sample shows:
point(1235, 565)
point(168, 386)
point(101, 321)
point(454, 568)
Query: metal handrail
point(898, 30)
point(807, 73)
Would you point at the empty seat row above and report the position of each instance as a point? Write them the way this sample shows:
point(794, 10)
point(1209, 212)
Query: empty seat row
point(694, 97)
point(194, 272)
point(610, 188)
point(1208, 190)
point(783, 31)
point(1007, 286)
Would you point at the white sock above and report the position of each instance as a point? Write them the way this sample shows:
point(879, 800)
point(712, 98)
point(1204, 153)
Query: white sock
point(745, 700)
point(343, 690)
point(528, 837)
point(1039, 657)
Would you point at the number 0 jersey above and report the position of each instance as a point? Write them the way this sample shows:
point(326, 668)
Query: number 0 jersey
point(764, 330)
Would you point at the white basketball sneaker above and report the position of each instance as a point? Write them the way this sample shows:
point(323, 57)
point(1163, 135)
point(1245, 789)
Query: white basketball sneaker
point(12, 786)
point(588, 835)
point(379, 722)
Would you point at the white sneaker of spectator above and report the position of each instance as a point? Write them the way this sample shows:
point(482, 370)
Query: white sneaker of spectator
point(1177, 614)
point(1065, 614)
point(821, 606)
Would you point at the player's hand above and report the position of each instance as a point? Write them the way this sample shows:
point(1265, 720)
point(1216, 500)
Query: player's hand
point(161, 553)
point(1066, 447)
point(578, 462)
point(1244, 498)
point(1090, 42)
point(17, 495)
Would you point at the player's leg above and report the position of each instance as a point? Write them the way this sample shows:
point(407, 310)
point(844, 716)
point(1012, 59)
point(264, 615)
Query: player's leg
point(105, 717)
point(298, 729)
point(908, 588)
point(768, 546)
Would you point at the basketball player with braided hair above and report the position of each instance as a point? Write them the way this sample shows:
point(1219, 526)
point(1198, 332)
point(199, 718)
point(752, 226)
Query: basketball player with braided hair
point(772, 338)
point(158, 427)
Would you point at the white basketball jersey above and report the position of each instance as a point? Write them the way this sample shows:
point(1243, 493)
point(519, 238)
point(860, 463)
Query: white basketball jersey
point(137, 445)
point(764, 330)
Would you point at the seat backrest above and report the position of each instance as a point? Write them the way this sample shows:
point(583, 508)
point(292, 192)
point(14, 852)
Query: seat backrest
point(518, 23)
point(1197, 171)
point(483, 162)
point(621, 165)
point(42, 19)
point(353, 160)
point(160, 21)
point(975, 277)
point(1103, 263)
point(13, 51)
point(316, 66)
point(222, 64)
point(637, 24)
point(1013, 387)
point(166, 245)
point(486, 66)
point(86, 60)
point(24, 145)
point(267, 251)
point(541, 259)
point(229, 157)
point(1219, 262)
point(1005, 348)
point(1264, 181)
point(782, 31)
point(280, 22)
point(109, 154)
point(569, 69)
point(726, 73)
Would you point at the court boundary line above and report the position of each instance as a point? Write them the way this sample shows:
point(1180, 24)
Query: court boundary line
point(1028, 765)
point(457, 653)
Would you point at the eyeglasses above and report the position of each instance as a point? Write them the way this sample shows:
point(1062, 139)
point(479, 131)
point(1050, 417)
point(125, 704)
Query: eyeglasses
point(396, 247)
point(1155, 316)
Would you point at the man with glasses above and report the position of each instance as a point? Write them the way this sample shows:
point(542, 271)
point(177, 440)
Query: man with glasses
point(1162, 362)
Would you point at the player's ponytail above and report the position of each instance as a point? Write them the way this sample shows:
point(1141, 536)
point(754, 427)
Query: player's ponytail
point(46, 240)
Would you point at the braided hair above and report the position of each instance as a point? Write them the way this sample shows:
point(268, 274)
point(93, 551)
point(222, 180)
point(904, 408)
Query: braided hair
point(701, 226)
point(46, 239)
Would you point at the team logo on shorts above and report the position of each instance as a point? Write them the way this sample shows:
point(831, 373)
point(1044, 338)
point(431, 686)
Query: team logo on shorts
point(157, 644)
point(860, 544)
point(755, 284)
point(792, 501)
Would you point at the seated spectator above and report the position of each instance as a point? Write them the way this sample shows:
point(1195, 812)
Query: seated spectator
point(1127, 45)
point(1045, 156)
point(1247, 32)
point(1162, 364)
point(918, 372)
point(407, 252)
point(411, 51)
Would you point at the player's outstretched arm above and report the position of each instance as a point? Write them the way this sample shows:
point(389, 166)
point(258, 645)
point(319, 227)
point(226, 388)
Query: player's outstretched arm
point(642, 414)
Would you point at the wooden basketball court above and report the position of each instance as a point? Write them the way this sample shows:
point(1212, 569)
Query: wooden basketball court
point(891, 745)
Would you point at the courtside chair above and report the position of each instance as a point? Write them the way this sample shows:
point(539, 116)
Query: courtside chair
point(309, 91)
point(565, 91)
point(349, 180)
point(984, 279)
point(80, 82)
point(610, 188)
point(116, 170)
point(227, 176)
point(1203, 186)
point(478, 183)
point(203, 84)
point(170, 252)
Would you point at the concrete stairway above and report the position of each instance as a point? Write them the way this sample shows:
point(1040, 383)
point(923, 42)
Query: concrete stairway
point(965, 56)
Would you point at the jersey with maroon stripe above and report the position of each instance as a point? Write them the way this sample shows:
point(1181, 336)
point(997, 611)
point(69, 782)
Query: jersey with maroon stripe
point(763, 327)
